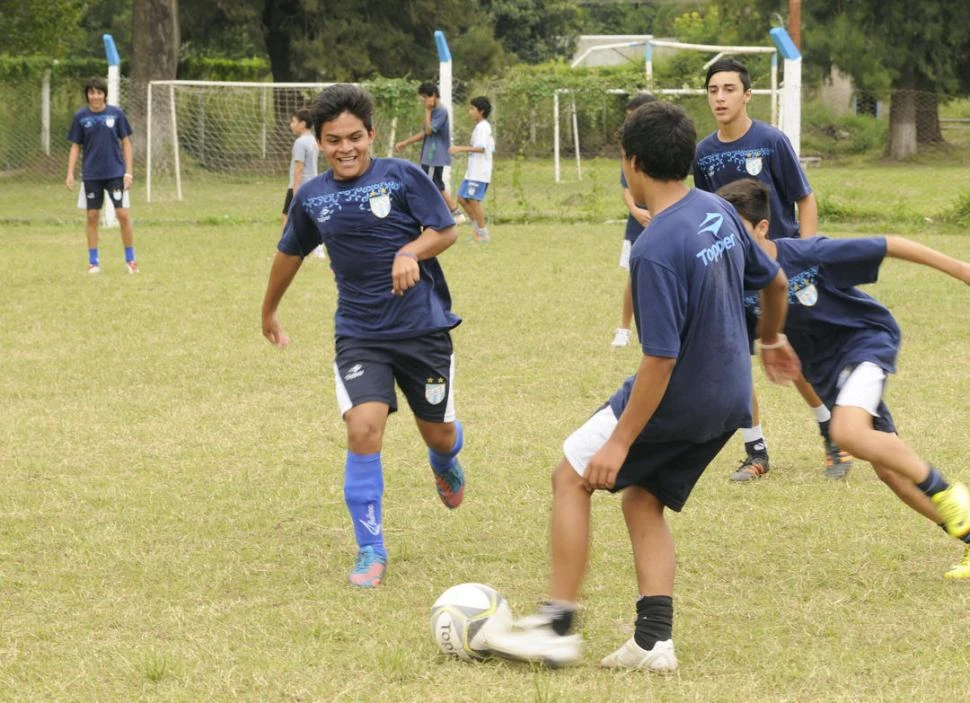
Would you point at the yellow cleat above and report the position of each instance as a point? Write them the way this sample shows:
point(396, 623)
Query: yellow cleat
point(954, 506)
point(962, 569)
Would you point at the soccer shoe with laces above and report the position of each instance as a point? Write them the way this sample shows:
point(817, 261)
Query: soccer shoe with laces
point(621, 338)
point(532, 639)
point(94, 268)
point(451, 486)
point(953, 503)
point(459, 216)
point(837, 461)
point(132, 266)
point(660, 659)
point(960, 570)
point(751, 468)
point(368, 569)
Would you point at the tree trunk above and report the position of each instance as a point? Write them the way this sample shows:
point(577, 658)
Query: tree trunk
point(155, 44)
point(928, 119)
point(902, 124)
point(279, 16)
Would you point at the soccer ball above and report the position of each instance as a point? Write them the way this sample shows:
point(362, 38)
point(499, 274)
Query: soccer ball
point(463, 616)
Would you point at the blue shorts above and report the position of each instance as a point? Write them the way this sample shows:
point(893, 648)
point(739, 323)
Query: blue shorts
point(365, 370)
point(472, 190)
point(94, 193)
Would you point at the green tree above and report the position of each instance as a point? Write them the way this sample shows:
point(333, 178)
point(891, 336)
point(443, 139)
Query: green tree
point(910, 48)
point(40, 27)
point(535, 30)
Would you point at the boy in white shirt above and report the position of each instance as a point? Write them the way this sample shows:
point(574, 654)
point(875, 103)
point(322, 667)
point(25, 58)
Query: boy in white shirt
point(479, 171)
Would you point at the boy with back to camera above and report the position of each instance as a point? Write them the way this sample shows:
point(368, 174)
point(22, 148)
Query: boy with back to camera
point(741, 148)
point(848, 344)
point(655, 436)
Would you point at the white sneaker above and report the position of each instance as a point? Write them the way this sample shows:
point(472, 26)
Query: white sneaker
point(532, 639)
point(621, 338)
point(460, 218)
point(94, 268)
point(320, 252)
point(661, 659)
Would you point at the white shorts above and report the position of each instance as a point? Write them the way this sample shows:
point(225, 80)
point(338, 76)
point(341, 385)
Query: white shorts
point(625, 254)
point(582, 444)
point(862, 386)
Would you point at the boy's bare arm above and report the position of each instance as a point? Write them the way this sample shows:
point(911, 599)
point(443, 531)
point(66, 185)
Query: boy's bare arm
point(908, 250)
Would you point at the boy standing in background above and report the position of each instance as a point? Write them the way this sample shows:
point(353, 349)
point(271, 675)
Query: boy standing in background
point(471, 193)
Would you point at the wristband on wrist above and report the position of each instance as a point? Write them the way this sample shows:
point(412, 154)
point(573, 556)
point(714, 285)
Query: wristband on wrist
point(129, 174)
point(407, 253)
point(782, 341)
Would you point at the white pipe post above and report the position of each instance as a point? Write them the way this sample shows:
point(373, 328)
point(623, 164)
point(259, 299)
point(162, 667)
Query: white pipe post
point(108, 217)
point(148, 136)
point(45, 112)
point(774, 89)
point(555, 133)
point(791, 93)
point(444, 89)
point(579, 166)
point(175, 141)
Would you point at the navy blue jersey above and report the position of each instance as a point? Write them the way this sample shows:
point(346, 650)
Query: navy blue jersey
point(633, 226)
point(434, 148)
point(363, 222)
point(763, 153)
point(689, 270)
point(831, 324)
point(100, 135)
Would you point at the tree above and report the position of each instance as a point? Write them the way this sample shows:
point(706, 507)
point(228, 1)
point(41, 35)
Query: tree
point(154, 52)
point(535, 30)
point(913, 49)
point(41, 27)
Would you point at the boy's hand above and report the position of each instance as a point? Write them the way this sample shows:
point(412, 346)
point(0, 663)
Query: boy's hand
point(604, 465)
point(781, 363)
point(405, 273)
point(274, 333)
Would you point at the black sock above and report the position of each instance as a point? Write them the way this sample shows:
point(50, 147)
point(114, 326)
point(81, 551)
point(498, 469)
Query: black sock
point(655, 620)
point(934, 483)
point(756, 447)
point(561, 617)
point(823, 429)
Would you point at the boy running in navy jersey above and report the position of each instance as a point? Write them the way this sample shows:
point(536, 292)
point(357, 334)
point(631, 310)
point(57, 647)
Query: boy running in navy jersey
point(848, 342)
point(102, 132)
point(655, 436)
point(740, 148)
point(383, 223)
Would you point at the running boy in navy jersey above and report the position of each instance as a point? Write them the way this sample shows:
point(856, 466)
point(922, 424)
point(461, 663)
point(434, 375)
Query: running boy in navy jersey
point(848, 343)
point(435, 140)
point(740, 148)
point(383, 223)
point(102, 131)
point(692, 390)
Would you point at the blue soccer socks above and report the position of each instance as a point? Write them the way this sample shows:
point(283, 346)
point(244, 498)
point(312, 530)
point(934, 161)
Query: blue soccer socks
point(448, 476)
point(363, 490)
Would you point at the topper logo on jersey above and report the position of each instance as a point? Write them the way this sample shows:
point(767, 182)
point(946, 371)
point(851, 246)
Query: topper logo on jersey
point(712, 223)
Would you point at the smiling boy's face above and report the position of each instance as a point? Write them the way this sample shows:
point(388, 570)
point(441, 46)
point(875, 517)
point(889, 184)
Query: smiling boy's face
point(345, 143)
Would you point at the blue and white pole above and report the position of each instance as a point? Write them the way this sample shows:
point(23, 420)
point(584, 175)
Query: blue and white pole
point(791, 91)
point(108, 218)
point(444, 88)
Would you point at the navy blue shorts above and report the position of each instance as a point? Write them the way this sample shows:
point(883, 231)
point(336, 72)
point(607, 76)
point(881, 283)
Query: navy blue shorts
point(288, 201)
point(94, 193)
point(366, 370)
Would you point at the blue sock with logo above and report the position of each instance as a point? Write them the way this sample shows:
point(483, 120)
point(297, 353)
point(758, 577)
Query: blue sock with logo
point(363, 489)
point(129, 254)
point(443, 462)
point(93, 256)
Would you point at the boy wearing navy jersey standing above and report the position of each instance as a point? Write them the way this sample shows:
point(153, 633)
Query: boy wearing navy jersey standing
point(383, 224)
point(655, 436)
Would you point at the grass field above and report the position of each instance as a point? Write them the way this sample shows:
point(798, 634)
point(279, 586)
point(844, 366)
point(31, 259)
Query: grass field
point(172, 525)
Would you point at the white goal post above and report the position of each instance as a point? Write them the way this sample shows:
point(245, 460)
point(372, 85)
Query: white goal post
point(221, 127)
point(785, 101)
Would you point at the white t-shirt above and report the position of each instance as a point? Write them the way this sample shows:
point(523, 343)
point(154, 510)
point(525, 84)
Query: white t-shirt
point(480, 165)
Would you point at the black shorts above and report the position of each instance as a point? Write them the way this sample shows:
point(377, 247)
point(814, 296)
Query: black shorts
point(435, 172)
point(365, 370)
point(94, 193)
point(288, 201)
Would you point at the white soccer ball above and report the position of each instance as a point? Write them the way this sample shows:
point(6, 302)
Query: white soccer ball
point(463, 616)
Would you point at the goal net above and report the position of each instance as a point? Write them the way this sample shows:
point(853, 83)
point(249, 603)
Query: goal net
point(206, 129)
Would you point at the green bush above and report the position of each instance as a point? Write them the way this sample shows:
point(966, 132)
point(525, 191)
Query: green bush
point(824, 134)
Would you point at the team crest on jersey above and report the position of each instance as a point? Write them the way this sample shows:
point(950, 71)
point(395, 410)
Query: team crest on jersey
point(753, 165)
point(434, 390)
point(807, 295)
point(110, 122)
point(380, 202)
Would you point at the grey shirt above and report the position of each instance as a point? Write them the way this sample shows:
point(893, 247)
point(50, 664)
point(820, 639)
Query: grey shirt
point(305, 151)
